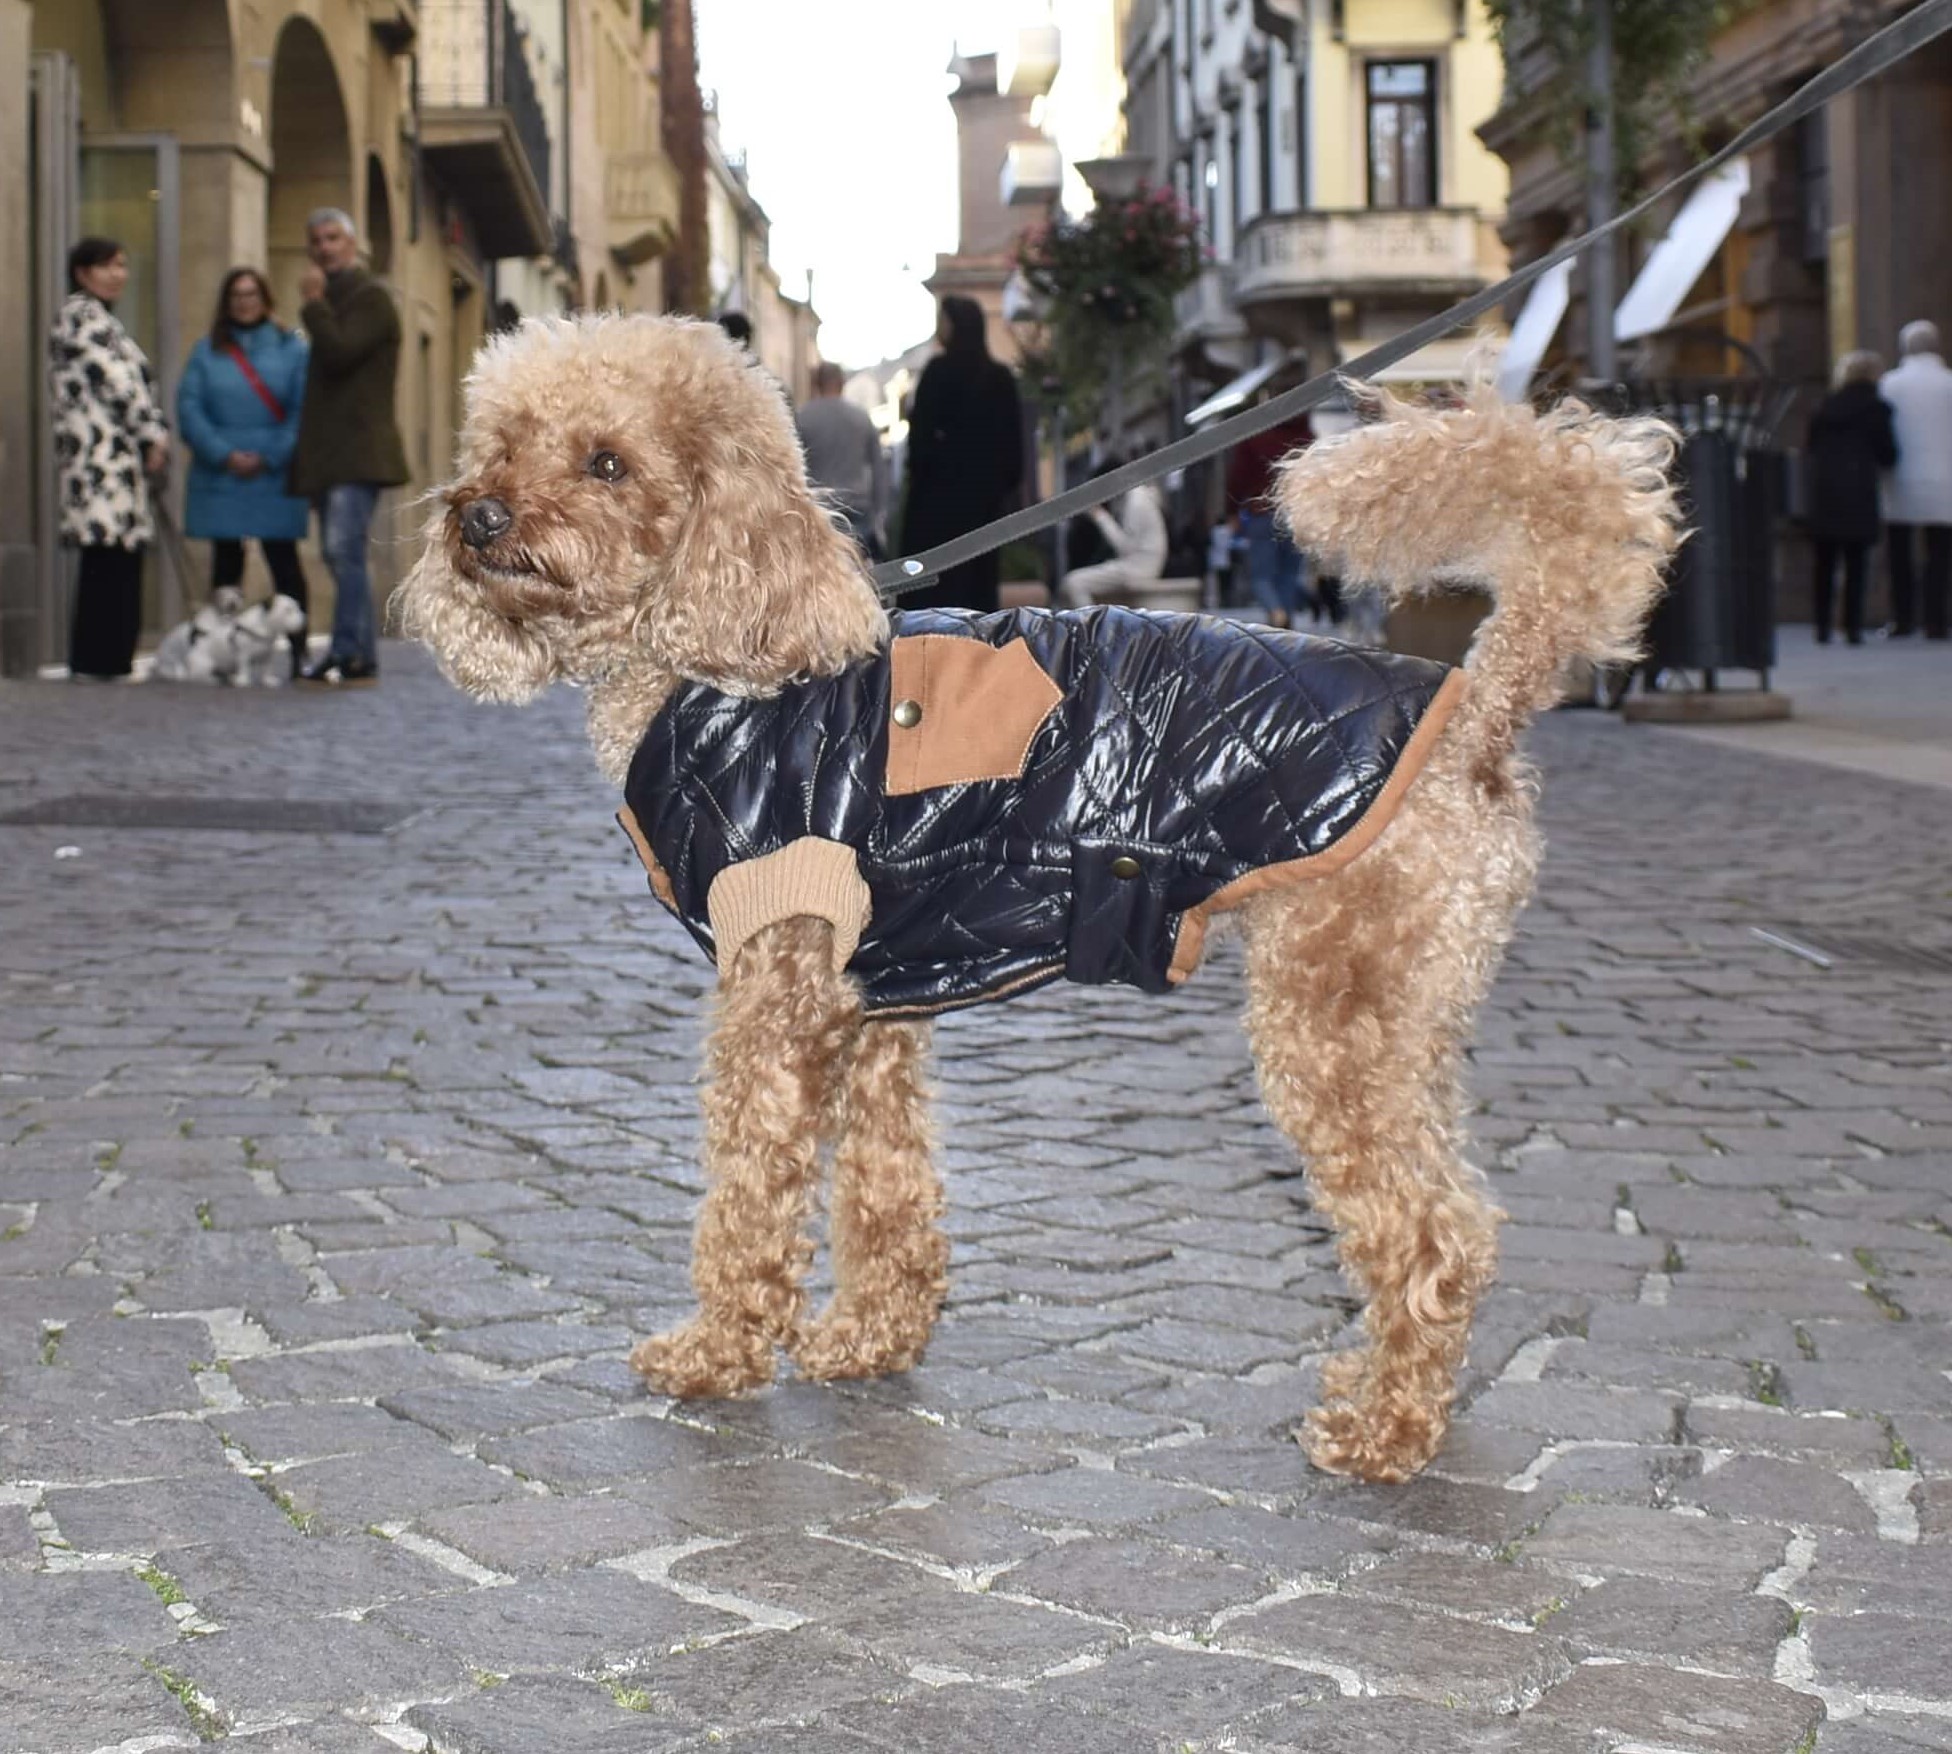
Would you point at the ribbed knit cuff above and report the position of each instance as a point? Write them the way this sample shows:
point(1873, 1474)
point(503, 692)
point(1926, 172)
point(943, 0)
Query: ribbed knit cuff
point(812, 877)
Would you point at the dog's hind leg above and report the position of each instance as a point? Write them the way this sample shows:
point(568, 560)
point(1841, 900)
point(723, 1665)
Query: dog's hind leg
point(787, 1020)
point(1359, 988)
point(891, 1260)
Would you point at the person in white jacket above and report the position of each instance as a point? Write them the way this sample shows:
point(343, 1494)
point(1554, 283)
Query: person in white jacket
point(1138, 541)
point(1918, 491)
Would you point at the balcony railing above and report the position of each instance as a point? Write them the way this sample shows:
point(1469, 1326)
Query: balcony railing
point(1430, 250)
point(483, 128)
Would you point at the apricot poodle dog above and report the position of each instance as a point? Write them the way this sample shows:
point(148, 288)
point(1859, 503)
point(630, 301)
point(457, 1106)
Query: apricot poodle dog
point(631, 515)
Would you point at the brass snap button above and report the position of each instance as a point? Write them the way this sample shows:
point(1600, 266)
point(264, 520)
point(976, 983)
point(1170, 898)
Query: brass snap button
point(907, 714)
point(1125, 867)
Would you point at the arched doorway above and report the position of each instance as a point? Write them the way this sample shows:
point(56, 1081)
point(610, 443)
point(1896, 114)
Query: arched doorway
point(379, 217)
point(311, 151)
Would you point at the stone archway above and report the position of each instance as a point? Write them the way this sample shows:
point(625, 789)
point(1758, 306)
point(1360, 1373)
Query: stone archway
point(311, 151)
point(379, 217)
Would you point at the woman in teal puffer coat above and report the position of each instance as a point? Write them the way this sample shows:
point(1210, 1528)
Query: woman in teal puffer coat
point(238, 409)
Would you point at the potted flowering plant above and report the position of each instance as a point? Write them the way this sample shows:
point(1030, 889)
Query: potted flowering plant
point(1106, 283)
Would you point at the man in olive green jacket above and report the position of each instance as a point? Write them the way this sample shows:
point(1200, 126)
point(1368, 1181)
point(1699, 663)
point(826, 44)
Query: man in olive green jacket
point(348, 442)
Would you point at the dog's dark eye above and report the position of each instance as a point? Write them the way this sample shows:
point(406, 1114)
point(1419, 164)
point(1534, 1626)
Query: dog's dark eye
point(608, 466)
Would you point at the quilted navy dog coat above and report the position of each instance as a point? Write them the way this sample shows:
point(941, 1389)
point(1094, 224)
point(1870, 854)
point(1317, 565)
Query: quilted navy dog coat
point(992, 802)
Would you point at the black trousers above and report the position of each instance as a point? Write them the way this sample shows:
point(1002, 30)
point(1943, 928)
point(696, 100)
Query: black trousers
point(1905, 594)
point(1856, 558)
point(108, 612)
point(287, 576)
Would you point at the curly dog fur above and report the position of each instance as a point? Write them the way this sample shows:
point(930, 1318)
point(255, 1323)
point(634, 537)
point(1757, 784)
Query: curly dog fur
point(700, 554)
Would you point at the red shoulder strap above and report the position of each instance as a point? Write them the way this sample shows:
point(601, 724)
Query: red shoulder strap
point(242, 361)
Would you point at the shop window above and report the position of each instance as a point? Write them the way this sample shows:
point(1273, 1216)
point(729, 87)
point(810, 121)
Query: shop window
point(1402, 133)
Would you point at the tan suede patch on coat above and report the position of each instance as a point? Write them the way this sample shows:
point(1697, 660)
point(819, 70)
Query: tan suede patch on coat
point(980, 708)
point(660, 883)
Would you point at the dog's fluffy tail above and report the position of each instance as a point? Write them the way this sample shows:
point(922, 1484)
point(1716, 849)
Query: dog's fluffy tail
point(1567, 516)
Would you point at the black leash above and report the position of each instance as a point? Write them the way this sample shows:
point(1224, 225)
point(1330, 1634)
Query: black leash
point(1871, 57)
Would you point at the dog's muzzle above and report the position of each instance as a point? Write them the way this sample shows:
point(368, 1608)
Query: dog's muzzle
point(484, 521)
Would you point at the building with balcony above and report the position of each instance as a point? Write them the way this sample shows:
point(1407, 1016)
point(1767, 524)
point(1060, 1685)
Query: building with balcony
point(1329, 147)
point(740, 272)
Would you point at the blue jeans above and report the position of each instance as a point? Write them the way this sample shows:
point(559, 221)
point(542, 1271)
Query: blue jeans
point(345, 517)
point(1273, 565)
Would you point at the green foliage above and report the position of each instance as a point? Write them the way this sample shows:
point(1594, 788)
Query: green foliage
point(1108, 282)
point(1658, 46)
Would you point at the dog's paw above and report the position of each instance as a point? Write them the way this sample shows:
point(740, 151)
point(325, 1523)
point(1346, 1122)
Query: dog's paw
point(840, 1346)
point(704, 1362)
point(1346, 1437)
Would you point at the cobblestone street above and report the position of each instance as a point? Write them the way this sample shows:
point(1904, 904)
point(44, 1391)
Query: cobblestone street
point(338, 1169)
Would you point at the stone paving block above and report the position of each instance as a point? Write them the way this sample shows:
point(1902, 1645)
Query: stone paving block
point(1637, 1618)
point(1141, 1584)
point(915, 1456)
point(588, 1620)
point(973, 1718)
point(68, 1704)
point(1630, 1474)
point(1561, 1410)
point(267, 1578)
point(1404, 1651)
point(1256, 1405)
point(356, 1373)
point(1851, 1574)
point(349, 1493)
point(1629, 1367)
point(1287, 1546)
point(1486, 1516)
point(590, 1452)
point(954, 1533)
point(1185, 1695)
point(1669, 1708)
point(345, 1318)
point(525, 1345)
point(1837, 1443)
point(75, 1451)
point(754, 1497)
point(1764, 1489)
point(1606, 1538)
point(1082, 1422)
point(312, 1431)
point(19, 1551)
point(1512, 1594)
point(1197, 1347)
point(777, 1677)
point(66, 1616)
point(528, 1713)
point(1885, 1733)
point(334, 1665)
point(156, 1516)
point(1861, 1388)
point(531, 1534)
point(463, 1411)
point(1092, 1498)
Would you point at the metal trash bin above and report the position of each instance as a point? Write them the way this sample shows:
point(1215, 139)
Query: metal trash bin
point(1719, 612)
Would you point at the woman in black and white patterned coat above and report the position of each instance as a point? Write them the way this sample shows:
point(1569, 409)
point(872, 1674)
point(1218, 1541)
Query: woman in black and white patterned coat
point(109, 439)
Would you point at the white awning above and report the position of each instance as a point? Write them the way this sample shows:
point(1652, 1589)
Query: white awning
point(1234, 395)
point(1679, 259)
point(1450, 359)
point(1538, 321)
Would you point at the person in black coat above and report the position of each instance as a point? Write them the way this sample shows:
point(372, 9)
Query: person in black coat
point(965, 456)
point(1851, 440)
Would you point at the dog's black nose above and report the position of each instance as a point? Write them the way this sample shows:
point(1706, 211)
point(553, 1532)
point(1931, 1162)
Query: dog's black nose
point(482, 520)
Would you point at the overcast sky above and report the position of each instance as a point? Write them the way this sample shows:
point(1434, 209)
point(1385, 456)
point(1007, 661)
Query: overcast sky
point(841, 107)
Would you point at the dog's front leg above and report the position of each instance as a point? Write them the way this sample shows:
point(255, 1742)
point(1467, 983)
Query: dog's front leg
point(786, 1021)
point(891, 1260)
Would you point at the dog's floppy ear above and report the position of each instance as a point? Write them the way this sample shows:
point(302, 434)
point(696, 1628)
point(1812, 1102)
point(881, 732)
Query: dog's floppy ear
point(759, 587)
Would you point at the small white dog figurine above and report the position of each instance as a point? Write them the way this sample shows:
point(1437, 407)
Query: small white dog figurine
point(226, 642)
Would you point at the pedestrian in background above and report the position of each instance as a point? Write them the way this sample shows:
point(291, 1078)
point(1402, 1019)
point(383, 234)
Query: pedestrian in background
point(844, 456)
point(349, 448)
point(1918, 491)
point(1273, 562)
point(1851, 440)
point(1139, 543)
point(110, 441)
point(238, 410)
point(965, 455)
